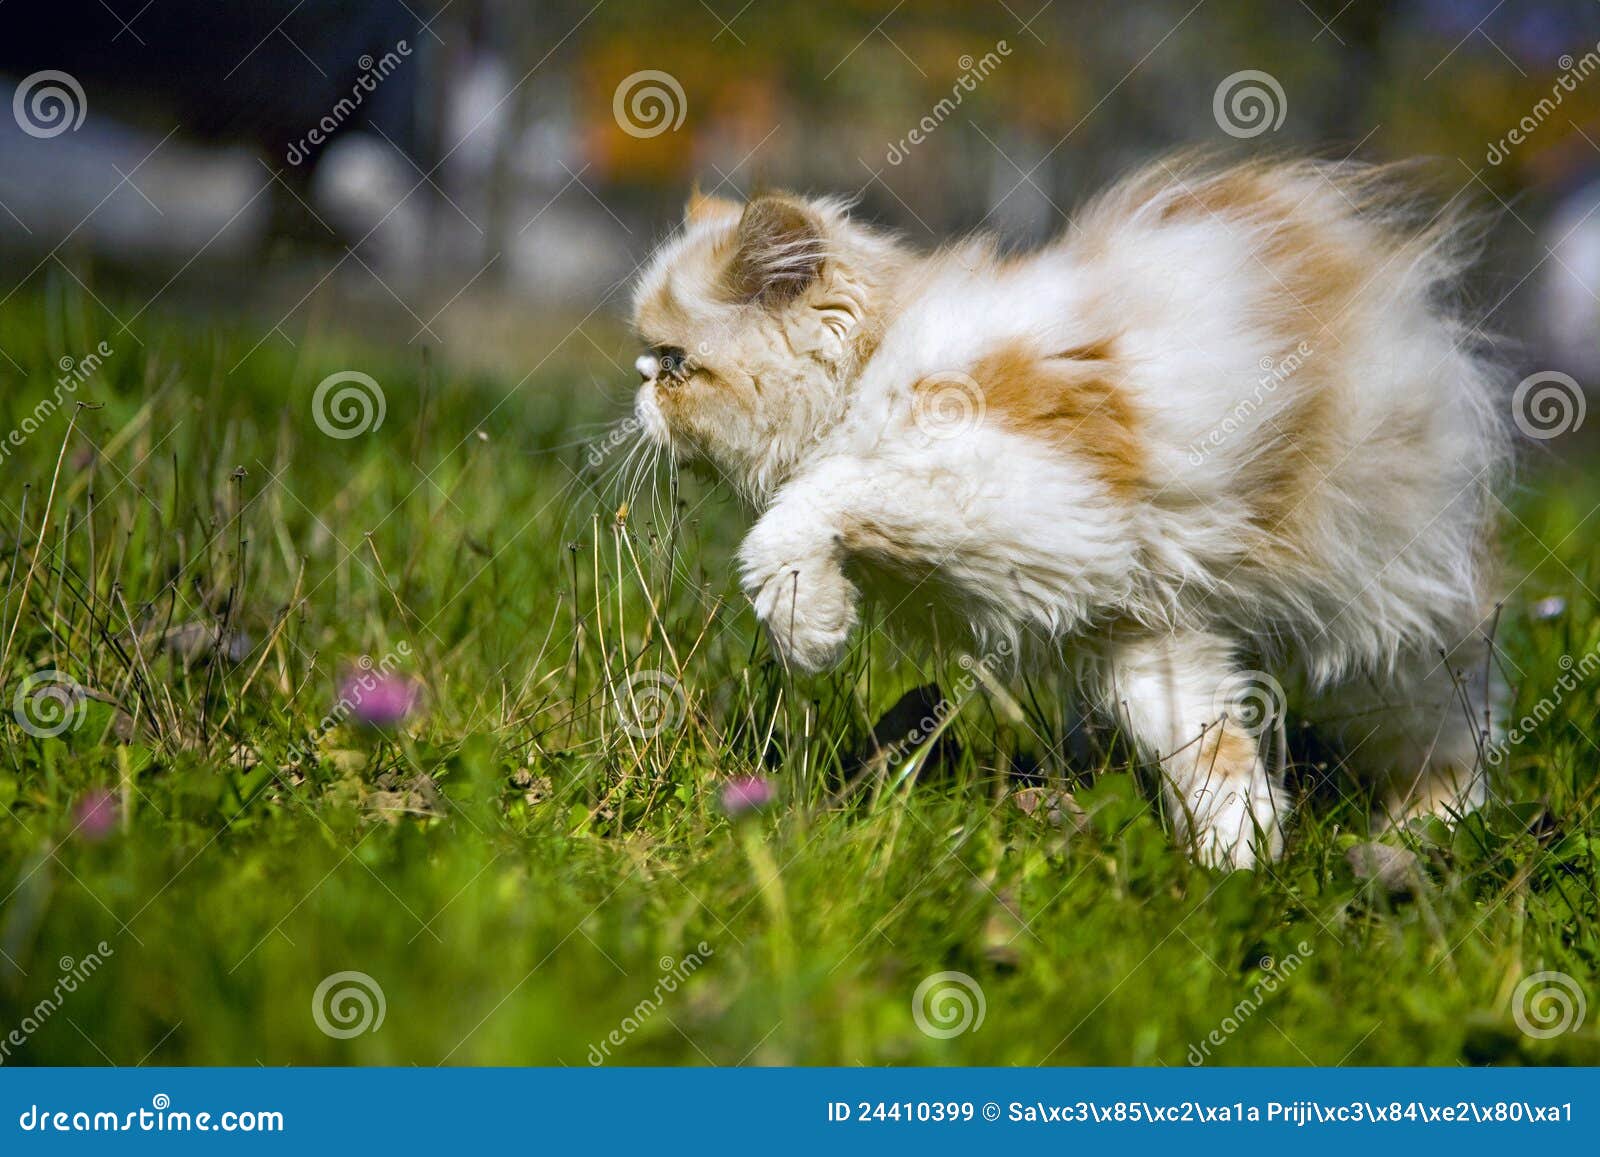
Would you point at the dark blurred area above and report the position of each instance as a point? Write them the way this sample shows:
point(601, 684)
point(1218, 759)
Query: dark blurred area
point(484, 173)
point(173, 66)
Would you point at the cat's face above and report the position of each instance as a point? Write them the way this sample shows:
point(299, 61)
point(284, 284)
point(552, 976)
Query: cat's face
point(753, 318)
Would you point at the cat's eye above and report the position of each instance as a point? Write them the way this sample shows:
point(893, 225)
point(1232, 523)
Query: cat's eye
point(672, 364)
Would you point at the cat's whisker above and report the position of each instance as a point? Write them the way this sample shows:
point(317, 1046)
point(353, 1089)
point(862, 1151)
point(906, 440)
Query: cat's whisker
point(659, 493)
point(619, 479)
point(642, 469)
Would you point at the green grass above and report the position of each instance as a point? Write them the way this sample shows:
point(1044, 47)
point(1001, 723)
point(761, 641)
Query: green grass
point(515, 869)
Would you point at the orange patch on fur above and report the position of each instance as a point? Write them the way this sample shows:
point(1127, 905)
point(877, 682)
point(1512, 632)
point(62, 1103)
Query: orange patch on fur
point(1098, 350)
point(1070, 400)
point(710, 207)
point(1319, 278)
point(1228, 754)
point(1322, 279)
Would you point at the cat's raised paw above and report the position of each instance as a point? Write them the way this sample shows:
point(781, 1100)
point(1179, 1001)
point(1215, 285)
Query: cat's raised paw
point(809, 613)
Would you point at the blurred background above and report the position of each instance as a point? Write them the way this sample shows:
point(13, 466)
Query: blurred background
point(483, 175)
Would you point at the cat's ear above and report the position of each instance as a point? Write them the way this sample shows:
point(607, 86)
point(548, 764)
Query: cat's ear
point(709, 207)
point(778, 252)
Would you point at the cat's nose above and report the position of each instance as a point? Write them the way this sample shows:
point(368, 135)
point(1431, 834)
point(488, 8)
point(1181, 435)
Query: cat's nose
point(648, 367)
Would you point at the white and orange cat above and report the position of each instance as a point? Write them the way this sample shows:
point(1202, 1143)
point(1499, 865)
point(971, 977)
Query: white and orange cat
point(1226, 421)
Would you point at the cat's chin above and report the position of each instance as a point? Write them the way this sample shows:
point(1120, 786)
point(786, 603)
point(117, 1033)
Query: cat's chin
point(654, 424)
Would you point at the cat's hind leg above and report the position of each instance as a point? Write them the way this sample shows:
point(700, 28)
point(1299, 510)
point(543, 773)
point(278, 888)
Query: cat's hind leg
point(1188, 705)
point(1420, 737)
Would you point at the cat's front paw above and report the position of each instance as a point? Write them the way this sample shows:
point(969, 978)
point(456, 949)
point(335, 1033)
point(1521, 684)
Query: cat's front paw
point(809, 612)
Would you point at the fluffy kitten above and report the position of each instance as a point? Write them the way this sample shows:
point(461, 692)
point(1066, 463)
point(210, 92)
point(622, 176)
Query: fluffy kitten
point(1226, 420)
